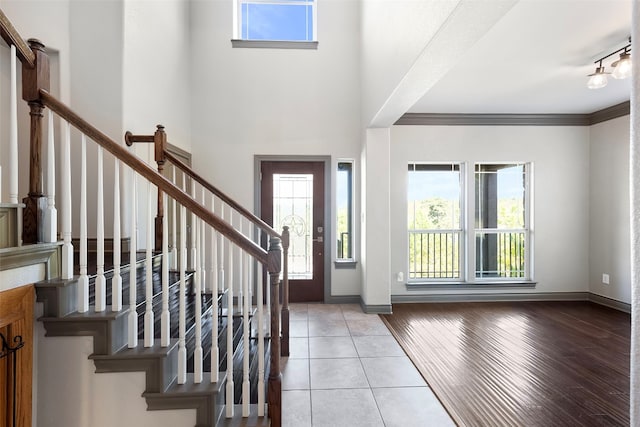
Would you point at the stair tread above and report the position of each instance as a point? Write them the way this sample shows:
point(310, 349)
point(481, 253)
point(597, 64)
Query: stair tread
point(205, 388)
point(140, 352)
point(90, 315)
point(239, 421)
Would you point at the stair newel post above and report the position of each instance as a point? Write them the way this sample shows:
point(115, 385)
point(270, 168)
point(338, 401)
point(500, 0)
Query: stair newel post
point(174, 245)
point(148, 313)
point(182, 325)
point(133, 243)
point(160, 145)
point(285, 292)
point(165, 322)
point(33, 79)
point(116, 280)
point(100, 281)
point(215, 358)
point(67, 246)
point(159, 141)
point(51, 216)
point(83, 281)
point(274, 395)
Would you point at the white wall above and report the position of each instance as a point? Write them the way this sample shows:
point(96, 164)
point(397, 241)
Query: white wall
point(248, 102)
point(71, 394)
point(394, 33)
point(609, 230)
point(560, 156)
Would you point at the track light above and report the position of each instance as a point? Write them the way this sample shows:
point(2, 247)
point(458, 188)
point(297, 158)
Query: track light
point(597, 79)
point(621, 68)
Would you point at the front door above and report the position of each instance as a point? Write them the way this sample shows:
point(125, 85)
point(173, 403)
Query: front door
point(292, 194)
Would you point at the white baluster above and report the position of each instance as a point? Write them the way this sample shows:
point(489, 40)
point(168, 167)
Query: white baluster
point(148, 314)
point(67, 247)
point(182, 351)
point(266, 285)
point(13, 133)
point(83, 281)
point(221, 278)
point(246, 392)
point(133, 260)
point(174, 248)
point(194, 227)
point(100, 281)
point(116, 280)
point(197, 294)
point(230, 387)
point(202, 248)
point(240, 262)
point(259, 297)
point(215, 358)
point(165, 317)
point(51, 217)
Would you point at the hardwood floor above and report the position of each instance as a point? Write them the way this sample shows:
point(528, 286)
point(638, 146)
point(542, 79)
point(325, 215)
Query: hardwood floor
point(521, 364)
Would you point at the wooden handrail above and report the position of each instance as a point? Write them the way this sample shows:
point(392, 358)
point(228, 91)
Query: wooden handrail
point(228, 200)
point(12, 37)
point(154, 177)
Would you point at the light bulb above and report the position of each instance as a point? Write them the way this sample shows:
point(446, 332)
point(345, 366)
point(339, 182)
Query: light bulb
point(622, 67)
point(598, 79)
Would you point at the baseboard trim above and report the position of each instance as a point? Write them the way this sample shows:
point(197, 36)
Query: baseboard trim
point(506, 296)
point(609, 302)
point(544, 296)
point(343, 299)
point(375, 308)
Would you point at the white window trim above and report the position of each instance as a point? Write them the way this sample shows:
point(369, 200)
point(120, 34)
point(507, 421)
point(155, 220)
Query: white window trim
point(462, 256)
point(238, 41)
point(528, 203)
point(346, 262)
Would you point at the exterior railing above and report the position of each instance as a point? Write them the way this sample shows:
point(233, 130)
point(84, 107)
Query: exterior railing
point(434, 254)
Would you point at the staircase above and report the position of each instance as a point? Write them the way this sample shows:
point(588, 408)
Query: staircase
point(112, 355)
point(196, 308)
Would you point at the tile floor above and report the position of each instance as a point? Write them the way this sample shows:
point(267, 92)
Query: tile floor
point(345, 369)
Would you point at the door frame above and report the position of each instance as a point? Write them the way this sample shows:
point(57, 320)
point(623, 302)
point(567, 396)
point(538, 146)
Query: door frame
point(326, 160)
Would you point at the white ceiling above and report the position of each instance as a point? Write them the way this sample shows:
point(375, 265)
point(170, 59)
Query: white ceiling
point(536, 60)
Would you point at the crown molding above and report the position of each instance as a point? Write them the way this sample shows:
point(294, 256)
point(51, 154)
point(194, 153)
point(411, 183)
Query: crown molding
point(447, 119)
point(613, 112)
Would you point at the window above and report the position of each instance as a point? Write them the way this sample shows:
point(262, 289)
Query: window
point(502, 221)
point(435, 221)
point(282, 20)
point(488, 244)
point(344, 209)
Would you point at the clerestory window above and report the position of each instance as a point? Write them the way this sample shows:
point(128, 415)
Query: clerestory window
point(271, 20)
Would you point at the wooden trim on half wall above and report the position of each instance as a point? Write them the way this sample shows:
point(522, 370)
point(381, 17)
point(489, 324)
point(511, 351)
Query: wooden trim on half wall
point(16, 320)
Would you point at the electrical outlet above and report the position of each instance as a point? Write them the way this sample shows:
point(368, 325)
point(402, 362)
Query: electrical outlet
point(605, 278)
point(400, 277)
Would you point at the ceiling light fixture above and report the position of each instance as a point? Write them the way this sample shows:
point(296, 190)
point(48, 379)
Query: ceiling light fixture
point(621, 68)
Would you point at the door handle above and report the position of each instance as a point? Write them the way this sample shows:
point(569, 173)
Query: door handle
point(320, 239)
